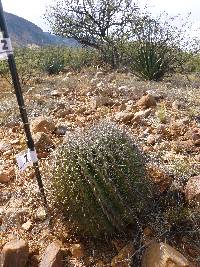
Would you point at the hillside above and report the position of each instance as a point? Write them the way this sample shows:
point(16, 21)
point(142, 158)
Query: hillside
point(24, 32)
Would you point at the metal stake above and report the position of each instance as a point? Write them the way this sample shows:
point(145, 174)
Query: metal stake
point(22, 108)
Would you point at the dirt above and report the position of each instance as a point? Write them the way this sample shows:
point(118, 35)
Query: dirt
point(165, 136)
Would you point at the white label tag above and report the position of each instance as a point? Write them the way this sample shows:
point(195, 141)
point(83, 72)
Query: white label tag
point(26, 158)
point(5, 48)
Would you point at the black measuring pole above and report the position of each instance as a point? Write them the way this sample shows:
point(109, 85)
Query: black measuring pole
point(20, 100)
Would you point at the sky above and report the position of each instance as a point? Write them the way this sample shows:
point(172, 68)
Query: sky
point(33, 10)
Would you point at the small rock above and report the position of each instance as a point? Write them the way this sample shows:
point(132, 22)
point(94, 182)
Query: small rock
point(64, 113)
point(192, 189)
point(56, 93)
point(151, 140)
point(61, 130)
point(124, 257)
point(6, 174)
point(146, 101)
point(5, 147)
point(61, 108)
point(14, 254)
point(14, 217)
point(158, 96)
point(163, 255)
point(161, 129)
point(124, 116)
point(99, 101)
point(40, 214)
point(176, 105)
point(41, 124)
point(77, 250)
point(159, 177)
point(124, 89)
point(196, 138)
point(15, 142)
point(141, 114)
point(27, 225)
point(53, 256)
point(43, 142)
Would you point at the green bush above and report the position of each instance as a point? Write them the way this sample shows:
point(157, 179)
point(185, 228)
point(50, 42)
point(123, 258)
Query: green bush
point(52, 60)
point(99, 180)
point(192, 63)
point(155, 46)
point(27, 62)
point(78, 58)
point(152, 61)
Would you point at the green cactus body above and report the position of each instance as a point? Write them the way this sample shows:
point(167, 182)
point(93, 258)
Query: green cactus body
point(99, 180)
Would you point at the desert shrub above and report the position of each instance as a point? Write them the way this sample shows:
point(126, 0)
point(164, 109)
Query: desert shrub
point(31, 62)
point(152, 61)
point(172, 217)
point(157, 46)
point(98, 24)
point(57, 59)
point(78, 58)
point(192, 64)
point(99, 180)
point(27, 62)
point(52, 60)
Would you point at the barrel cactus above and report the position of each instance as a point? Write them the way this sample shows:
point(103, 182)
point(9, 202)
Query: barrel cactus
point(99, 180)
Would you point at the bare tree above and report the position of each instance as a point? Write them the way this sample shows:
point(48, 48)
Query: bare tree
point(100, 24)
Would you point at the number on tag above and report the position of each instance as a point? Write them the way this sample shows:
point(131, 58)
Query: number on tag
point(5, 47)
point(26, 158)
point(5, 44)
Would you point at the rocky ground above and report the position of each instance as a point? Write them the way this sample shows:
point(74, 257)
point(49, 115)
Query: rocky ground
point(164, 120)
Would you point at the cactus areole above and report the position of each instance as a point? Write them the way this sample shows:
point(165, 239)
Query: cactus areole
point(6, 52)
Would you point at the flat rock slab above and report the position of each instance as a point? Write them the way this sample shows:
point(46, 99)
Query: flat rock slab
point(53, 256)
point(163, 255)
point(14, 254)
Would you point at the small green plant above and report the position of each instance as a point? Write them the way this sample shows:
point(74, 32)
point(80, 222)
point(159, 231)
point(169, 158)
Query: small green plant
point(161, 113)
point(52, 61)
point(99, 180)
